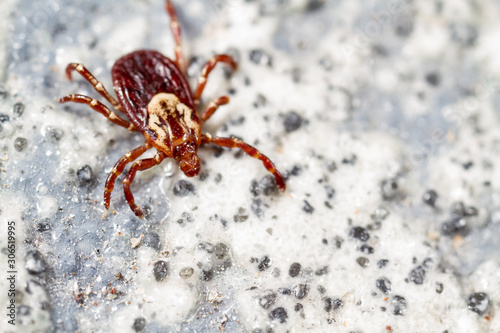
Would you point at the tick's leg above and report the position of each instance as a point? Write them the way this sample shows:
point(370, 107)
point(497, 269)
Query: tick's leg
point(176, 32)
point(118, 169)
point(99, 107)
point(213, 106)
point(249, 150)
point(93, 81)
point(139, 166)
point(207, 69)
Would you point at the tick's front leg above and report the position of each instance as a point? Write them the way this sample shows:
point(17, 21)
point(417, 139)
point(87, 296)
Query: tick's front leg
point(249, 150)
point(139, 166)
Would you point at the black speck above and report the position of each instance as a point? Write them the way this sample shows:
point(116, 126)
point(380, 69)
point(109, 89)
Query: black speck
point(20, 144)
point(152, 240)
point(390, 189)
point(300, 291)
point(3, 92)
point(321, 289)
point(85, 175)
point(268, 186)
point(183, 188)
point(471, 211)
point(454, 226)
point(160, 270)
point(35, 262)
point(350, 159)
point(428, 263)
point(307, 207)
point(139, 324)
point(4, 118)
point(292, 121)
point(398, 304)
point(260, 101)
point(54, 134)
point(433, 79)
point(285, 291)
point(322, 271)
point(359, 233)
point(384, 285)
point(256, 207)
point(260, 57)
point(18, 109)
point(279, 314)
point(313, 5)
point(265, 263)
point(404, 25)
point(330, 192)
point(467, 165)
point(478, 302)
point(417, 275)
point(207, 275)
point(439, 287)
point(333, 304)
point(338, 242)
point(294, 269)
point(268, 299)
point(366, 249)
point(42, 226)
point(296, 170)
point(363, 262)
point(430, 197)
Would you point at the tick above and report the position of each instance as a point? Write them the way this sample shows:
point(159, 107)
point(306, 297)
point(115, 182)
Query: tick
point(152, 91)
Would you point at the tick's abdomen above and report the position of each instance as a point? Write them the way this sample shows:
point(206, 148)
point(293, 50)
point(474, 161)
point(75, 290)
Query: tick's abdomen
point(139, 76)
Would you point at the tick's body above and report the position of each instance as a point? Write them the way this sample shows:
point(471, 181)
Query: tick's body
point(154, 95)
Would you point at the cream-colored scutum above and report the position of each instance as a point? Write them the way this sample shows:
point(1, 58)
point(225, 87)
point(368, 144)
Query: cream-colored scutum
point(160, 107)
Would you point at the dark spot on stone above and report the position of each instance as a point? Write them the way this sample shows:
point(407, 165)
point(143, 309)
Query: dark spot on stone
point(296, 171)
point(454, 226)
point(321, 289)
point(390, 189)
point(467, 165)
point(330, 192)
point(398, 304)
point(4, 118)
point(18, 109)
point(294, 269)
point(161, 270)
point(256, 207)
point(42, 226)
point(359, 233)
point(285, 291)
point(3, 92)
point(220, 251)
point(338, 242)
point(313, 5)
point(366, 249)
point(292, 121)
point(307, 207)
point(463, 33)
point(206, 246)
point(183, 188)
point(333, 304)
point(268, 299)
point(265, 263)
point(322, 271)
point(186, 272)
point(417, 275)
point(430, 197)
point(241, 216)
point(428, 263)
point(363, 262)
point(268, 186)
point(439, 287)
point(279, 314)
point(35, 262)
point(260, 57)
point(207, 275)
point(139, 324)
point(350, 159)
point(300, 291)
point(433, 79)
point(403, 25)
point(478, 302)
point(384, 285)
point(260, 101)
point(54, 134)
point(380, 214)
point(85, 175)
point(152, 240)
point(20, 144)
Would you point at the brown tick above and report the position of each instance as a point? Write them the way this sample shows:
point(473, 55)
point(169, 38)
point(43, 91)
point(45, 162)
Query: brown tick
point(154, 94)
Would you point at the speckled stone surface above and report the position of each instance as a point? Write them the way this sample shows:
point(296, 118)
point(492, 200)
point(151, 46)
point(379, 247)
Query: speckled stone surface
point(383, 116)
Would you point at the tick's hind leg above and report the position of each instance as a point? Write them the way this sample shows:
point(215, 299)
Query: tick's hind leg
point(176, 32)
point(249, 150)
point(202, 80)
point(93, 81)
point(118, 169)
point(99, 107)
point(139, 166)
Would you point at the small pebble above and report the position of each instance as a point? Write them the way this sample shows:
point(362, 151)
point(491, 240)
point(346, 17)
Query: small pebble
point(398, 304)
point(417, 275)
point(160, 270)
point(85, 175)
point(430, 198)
point(300, 291)
point(478, 302)
point(294, 269)
point(265, 263)
point(186, 272)
point(260, 57)
point(279, 314)
point(20, 144)
point(35, 262)
point(333, 304)
point(292, 121)
point(359, 233)
point(268, 299)
point(384, 285)
point(362, 261)
point(152, 240)
point(307, 207)
point(139, 324)
point(18, 109)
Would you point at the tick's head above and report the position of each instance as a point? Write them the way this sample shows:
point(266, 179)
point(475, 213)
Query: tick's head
point(187, 156)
